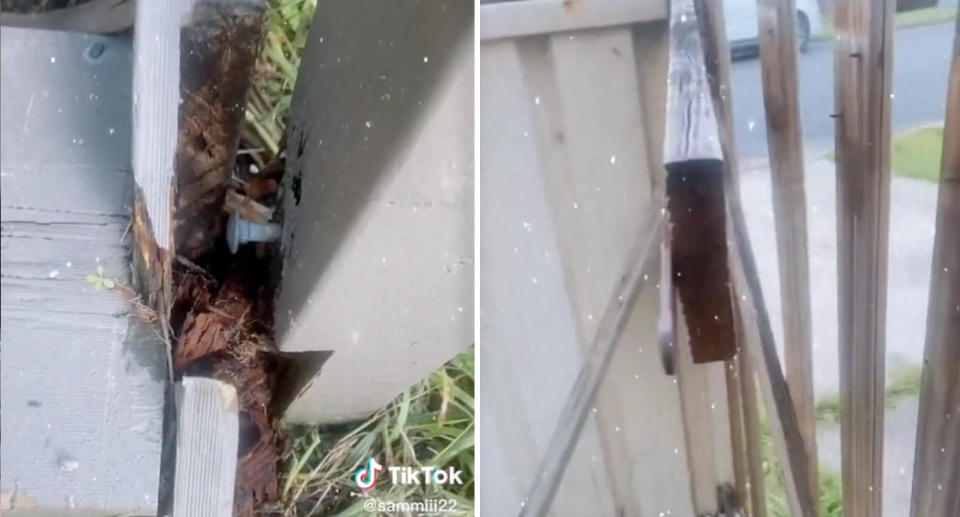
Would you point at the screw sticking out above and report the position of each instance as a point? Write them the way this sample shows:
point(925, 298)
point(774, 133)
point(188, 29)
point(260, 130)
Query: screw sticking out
point(240, 231)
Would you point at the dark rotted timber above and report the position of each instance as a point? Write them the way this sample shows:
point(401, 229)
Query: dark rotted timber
point(218, 50)
point(695, 195)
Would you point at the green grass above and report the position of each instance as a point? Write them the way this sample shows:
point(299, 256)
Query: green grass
point(831, 493)
point(916, 154)
point(268, 104)
point(431, 424)
point(904, 383)
point(912, 18)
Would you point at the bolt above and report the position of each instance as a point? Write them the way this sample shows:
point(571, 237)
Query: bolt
point(240, 231)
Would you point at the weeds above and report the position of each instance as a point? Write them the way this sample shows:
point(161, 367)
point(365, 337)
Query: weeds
point(275, 75)
point(430, 424)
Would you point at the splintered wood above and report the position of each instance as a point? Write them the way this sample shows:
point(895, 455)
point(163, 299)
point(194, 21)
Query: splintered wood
point(695, 195)
point(226, 334)
point(218, 52)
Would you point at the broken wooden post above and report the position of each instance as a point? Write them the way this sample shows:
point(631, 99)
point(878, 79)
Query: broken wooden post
point(778, 66)
point(193, 64)
point(695, 197)
point(758, 331)
point(863, 54)
point(936, 470)
point(208, 430)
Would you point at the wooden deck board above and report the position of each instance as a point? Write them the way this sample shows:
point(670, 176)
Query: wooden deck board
point(81, 381)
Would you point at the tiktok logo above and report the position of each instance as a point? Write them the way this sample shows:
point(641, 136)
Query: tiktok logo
point(367, 476)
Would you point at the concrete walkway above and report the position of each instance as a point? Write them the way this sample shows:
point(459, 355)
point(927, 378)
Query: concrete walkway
point(912, 217)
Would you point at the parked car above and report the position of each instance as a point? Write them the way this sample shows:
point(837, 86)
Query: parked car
point(742, 31)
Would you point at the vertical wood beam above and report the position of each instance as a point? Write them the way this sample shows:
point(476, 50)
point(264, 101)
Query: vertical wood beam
point(936, 472)
point(751, 428)
point(863, 53)
point(757, 330)
point(738, 444)
point(778, 67)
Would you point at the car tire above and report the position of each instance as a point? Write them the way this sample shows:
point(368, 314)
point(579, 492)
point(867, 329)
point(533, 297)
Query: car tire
point(803, 31)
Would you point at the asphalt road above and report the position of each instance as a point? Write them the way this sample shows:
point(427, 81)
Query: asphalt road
point(921, 63)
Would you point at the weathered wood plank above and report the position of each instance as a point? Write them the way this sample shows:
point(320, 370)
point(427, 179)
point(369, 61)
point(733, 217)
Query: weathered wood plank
point(778, 67)
point(751, 426)
point(82, 378)
point(530, 17)
point(746, 283)
point(936, 471)
point(693, 385)
point(695, 197)
point(738, 443)
point(208, 434)
point(641, 261)
point(863, 54)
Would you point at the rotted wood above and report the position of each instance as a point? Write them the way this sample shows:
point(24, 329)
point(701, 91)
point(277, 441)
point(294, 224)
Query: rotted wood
point(218, 50)
point(778, 67)
point(863, 55)
point(936, 471)
point(695, 195)
point(758, 331)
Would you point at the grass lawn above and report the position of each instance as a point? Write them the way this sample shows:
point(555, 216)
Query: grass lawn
point(916, 154)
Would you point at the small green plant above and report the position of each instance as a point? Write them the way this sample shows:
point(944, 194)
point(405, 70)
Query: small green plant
point(99, 280)
point(916, 154)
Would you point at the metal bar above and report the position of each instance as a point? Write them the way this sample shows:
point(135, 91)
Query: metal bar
point(936, 471)
point(863, 54)
point(778, 66)
point(640, 260)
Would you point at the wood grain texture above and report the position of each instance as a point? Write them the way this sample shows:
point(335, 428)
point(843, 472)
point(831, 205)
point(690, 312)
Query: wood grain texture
point(758, 332)
point(695, 194)
point(641, 262)
point(778, 67)
point(751, 431)
point(863, 53)
point(82, 378)
point(208, 430)
point(936, 471)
